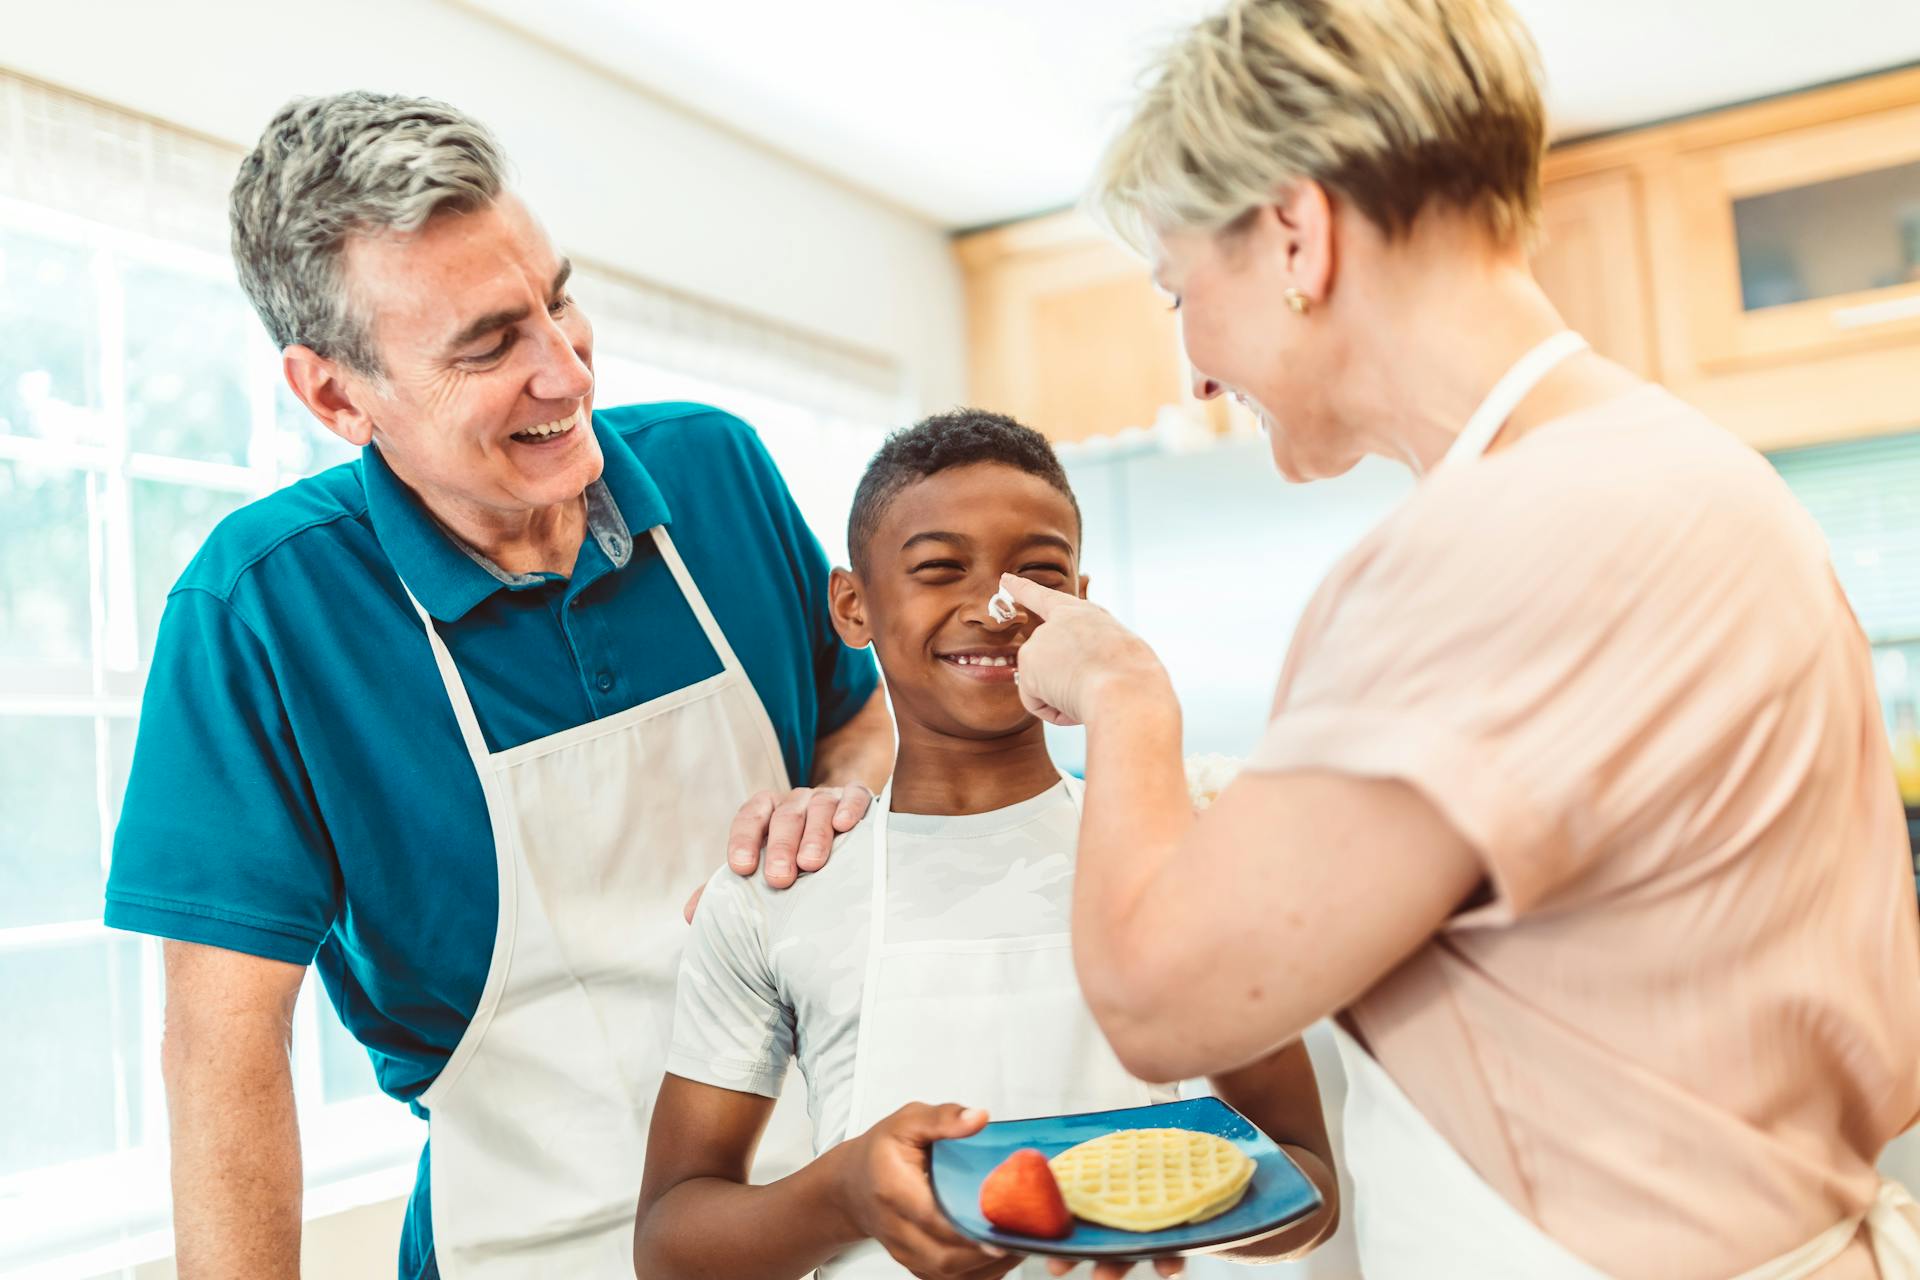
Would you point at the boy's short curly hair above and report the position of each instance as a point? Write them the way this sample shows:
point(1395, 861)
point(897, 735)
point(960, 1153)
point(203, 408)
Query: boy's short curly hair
point(959, 438)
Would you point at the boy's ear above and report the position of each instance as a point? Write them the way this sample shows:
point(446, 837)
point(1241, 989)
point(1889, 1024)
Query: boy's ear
point(847, 606)
point(1084, 580)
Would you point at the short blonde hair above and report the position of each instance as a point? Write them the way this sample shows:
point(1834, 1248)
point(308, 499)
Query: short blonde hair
point(1392, 105)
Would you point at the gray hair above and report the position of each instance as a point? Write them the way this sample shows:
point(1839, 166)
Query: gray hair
point(337, 166)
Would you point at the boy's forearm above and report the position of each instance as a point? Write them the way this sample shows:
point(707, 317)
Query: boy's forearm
point(1310, 1231)
point(718, 1229)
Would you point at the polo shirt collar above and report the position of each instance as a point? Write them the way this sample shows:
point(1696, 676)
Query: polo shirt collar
point(450, 578)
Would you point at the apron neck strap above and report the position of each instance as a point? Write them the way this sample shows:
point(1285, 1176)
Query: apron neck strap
point(463, 713)
point(462, 702)
point(883, 808)
point(695, 601)
point(1514, 385)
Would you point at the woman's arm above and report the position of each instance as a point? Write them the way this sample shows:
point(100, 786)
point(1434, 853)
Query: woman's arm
point(1202, 944)
point(699, 1218)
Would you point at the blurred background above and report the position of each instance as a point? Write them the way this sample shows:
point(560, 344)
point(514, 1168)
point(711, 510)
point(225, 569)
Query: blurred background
point(830, 219)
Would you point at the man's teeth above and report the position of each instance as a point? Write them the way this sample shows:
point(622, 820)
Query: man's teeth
point(550, 428)
point(978, 660)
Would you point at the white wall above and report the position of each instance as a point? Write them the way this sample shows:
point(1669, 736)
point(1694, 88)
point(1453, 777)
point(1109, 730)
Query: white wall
point(618, 176)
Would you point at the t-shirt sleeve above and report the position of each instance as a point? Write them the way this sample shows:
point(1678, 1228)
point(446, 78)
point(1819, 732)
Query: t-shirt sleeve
point(1548, 673)
point(731, 1029)
point(844, 678)
point(220, 841)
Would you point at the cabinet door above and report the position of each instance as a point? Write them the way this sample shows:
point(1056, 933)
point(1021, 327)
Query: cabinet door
point(1806, 242)
point(1592, 264)
point(1067, 333)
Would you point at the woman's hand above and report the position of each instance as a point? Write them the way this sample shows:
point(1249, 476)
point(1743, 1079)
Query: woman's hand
point(887, 1194)
point(1079, 658)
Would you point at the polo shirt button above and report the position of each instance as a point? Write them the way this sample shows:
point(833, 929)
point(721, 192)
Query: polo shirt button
point(603, 681)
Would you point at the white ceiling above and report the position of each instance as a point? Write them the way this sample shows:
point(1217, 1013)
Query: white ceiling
point(975, 111)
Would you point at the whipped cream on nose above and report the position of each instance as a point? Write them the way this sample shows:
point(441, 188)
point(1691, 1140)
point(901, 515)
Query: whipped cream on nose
point(1001, 608)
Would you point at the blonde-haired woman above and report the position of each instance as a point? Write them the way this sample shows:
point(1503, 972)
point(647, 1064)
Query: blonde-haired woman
point(1574, 804)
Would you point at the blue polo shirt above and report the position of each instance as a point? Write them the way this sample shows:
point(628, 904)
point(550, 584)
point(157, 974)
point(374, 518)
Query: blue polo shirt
point(299, 787)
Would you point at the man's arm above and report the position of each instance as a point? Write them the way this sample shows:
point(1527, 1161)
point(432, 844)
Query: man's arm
point(236, 1140)
point(859, 751)
point(850, 765)
point(797, 830)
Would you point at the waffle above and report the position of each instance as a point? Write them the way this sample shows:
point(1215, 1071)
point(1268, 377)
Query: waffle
point(1152, 1179)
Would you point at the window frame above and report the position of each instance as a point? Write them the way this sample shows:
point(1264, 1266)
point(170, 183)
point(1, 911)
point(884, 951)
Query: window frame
point(113, 1209)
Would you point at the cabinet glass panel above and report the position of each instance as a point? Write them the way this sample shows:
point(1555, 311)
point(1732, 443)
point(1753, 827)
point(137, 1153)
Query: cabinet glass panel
point(1846, 235)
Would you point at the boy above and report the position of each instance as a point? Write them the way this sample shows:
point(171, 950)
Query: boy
point(966, 987)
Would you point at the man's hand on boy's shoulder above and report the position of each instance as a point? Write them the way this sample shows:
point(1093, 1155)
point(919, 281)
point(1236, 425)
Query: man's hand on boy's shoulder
point(796, 832)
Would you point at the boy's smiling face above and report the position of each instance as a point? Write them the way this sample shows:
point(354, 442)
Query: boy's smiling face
point(933, 562)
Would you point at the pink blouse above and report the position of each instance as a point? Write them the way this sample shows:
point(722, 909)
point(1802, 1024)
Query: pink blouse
point(1615, 656)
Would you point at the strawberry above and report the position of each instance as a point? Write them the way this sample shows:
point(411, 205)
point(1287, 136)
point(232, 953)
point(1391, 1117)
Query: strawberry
point(1021, 1197)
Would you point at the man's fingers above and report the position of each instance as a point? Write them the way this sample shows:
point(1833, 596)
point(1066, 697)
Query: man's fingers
point(693, 903)
point(784, 830)
point(749, 833)
point(816, 841)
point(855, 800)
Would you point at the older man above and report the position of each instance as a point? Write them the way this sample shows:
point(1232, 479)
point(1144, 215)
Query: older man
point(463, 722)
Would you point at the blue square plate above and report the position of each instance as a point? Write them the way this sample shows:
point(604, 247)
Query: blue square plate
point(1279, 1193)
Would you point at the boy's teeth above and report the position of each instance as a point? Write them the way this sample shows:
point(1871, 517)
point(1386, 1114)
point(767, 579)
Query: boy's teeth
point(970, 660)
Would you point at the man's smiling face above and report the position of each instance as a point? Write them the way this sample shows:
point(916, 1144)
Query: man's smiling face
point(487, 390)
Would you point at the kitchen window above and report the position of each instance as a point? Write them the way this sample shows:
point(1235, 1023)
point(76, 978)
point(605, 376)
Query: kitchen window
point(1865, 495)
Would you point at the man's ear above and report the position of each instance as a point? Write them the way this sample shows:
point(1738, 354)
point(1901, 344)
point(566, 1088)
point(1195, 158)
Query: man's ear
point(319, 384)
point(847, 606)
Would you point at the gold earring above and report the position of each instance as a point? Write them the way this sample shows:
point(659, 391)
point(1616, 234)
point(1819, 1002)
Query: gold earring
point(1297, 300)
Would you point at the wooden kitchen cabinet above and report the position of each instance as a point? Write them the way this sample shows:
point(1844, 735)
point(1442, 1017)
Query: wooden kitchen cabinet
point(1779, 348)
point(1763, 262)
point(1066, 331)
point(1806, 242)
point(1592, 262)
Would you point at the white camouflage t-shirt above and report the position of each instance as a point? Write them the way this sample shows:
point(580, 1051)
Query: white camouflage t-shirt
point(772, 975)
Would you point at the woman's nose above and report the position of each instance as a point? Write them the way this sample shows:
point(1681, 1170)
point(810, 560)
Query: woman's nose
point(1205, 388)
